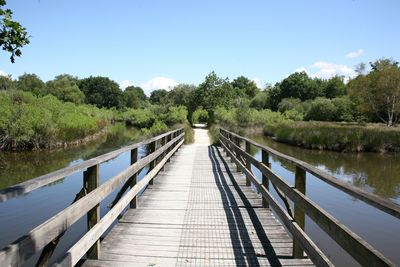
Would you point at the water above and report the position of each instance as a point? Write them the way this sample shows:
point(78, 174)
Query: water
point(372, 172)
point(21, 214)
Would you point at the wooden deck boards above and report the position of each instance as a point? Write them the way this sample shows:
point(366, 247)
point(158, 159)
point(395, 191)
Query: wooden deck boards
point(198, 213)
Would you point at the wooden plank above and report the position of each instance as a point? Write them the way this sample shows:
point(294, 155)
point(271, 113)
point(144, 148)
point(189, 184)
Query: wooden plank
point(32, 184)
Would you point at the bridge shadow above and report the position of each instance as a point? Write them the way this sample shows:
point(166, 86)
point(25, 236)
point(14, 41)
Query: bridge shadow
point(244, 251)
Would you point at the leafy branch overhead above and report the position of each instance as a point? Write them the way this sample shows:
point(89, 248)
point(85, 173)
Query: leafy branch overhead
point(12, 35)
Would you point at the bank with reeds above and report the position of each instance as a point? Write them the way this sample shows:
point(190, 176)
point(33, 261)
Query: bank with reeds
point(343, 137)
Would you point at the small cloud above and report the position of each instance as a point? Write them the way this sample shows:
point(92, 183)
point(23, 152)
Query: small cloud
point(355, 54)
point(2, 73)
point(158, 83)
point(125, 83)
point(256, 80)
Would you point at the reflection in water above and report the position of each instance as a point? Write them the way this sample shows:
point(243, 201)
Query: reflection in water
point(372, 172)
point(17, 167)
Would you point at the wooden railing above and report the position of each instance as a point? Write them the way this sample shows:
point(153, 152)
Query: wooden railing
point(46, 236)
point(358, 248)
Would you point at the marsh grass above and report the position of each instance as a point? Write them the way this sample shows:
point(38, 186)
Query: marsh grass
point(346, 137)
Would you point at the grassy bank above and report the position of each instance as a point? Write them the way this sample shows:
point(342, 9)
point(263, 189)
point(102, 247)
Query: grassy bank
point(30, 122)
point(346, 137)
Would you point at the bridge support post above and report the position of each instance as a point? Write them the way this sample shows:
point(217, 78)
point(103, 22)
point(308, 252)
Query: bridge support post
point(152, 148)
point(264, 179)
point(133, 179)
point(238, 143)
point(91, 181)
point(248, 164)
point(299, 217)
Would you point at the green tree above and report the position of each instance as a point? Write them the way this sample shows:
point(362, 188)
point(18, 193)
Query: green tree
point(101, 91)
point(300, 85)
point(200, 115)
point(334, 87)
point(180, 95)
point(6, 83)
point(260, 101)
point(31, 83)
point(322, 109)
point(289, 104)
point(380, 90)
point(159, 96)
point(134, 97)
point(247, 86)
point(12, 35)
point(65, 89)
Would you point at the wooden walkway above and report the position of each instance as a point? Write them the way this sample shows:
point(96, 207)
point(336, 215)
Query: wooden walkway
point(198, 213)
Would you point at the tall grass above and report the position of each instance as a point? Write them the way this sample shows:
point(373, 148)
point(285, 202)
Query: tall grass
point(346, 137)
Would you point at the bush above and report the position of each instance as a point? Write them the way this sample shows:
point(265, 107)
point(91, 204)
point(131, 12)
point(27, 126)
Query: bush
point(157, 128)
point(322, 109)
point(200, 115)
point(175, 115)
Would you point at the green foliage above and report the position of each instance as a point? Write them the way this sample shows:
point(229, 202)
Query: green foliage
point(322, 109)
point(180, 95)
point(134, 97)
point(101, 91)
point(213, 133)
point(288, 104)
point(338, 136)
point(27, 121)
point(249, 87)
point(31, 83)
point(6, 83)
point(379, 91)
point(334, 87)
point(189, 133)
point(158, 97)
point(12, 35)
point(200, 115)
point(175, 115)
point(260, 100)
point(141, 118)
point(299, 85)
point(65, 89)
point(157, 128)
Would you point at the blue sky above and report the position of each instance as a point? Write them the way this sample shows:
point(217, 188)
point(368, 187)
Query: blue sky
point(155, 43)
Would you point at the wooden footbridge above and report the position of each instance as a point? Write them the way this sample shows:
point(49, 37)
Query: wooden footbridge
point(194, 207)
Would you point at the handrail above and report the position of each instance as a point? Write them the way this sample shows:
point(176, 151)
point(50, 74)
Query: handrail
point(369, 198)
point(358, 248)
point(28, 186)
point(25, 247)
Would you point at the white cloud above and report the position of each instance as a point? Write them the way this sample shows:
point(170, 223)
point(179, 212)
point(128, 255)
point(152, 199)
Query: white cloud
point(125, 83)
point(158, 83)
point(326, 70)
point(2, 73)
point(355, 54)
point(257, 81)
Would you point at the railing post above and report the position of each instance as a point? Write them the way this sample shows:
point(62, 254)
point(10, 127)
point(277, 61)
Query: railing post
point(265, 181)
point(237, 153)
point(248, 164)
point(169, 138)
point(300, 184)
point(152, 148)
point(232, 138)
point(91, 182)
point(134, 157)
point(163, 154)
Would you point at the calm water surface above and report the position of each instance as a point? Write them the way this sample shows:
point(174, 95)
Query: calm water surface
point(372, 172)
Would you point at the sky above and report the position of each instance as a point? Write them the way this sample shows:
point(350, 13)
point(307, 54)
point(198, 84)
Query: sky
point(158, 43)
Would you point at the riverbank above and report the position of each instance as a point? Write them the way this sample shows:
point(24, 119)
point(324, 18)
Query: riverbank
point(342, 137)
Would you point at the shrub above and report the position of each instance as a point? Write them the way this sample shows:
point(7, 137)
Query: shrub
point(200, 115)
point(322, 109)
